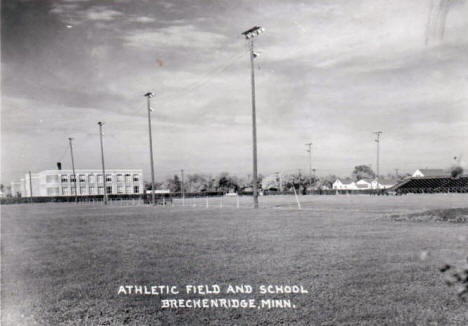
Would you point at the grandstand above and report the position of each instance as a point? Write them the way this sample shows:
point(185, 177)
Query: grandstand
point(432, 185)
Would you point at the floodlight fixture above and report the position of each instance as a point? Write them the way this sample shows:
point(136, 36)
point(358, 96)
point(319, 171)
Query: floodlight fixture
point(250, 33)
point(149, 94)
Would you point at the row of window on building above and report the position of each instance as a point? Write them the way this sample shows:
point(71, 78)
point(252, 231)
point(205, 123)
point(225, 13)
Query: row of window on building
point(91, 190)
point(93, 178)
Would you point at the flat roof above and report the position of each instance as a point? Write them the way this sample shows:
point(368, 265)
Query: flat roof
point(90, 170)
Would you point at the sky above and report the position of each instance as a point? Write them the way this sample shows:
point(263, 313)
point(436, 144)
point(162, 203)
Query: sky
point(328, 72)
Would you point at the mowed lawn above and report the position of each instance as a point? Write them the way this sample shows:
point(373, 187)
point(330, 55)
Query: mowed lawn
point(62, 264)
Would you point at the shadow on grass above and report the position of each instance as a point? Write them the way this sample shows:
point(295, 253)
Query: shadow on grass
point(452, 215)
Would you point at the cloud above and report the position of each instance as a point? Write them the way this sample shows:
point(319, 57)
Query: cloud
point(100, 13)
point(143, 19)
point(330, 72)
point(185, 36)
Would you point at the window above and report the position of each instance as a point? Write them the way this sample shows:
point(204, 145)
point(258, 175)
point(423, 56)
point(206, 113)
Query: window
point(128, 178)
point(82, 178)
point(99, 178)
point(101, 190)
point(83, 191)
point(92, 190)
point(91, 178)
point(65, 191)
point(109, 189)
point(120, 189)
point(128, 190)
point(120, 178)
point(72, 191)
point(108, 178)
point(52, 178)
point(136, 177)
point(72, 178)
point(136, 190)
point(64, 178)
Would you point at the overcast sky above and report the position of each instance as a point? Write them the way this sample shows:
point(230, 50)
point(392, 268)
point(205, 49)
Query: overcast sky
point(329, 72)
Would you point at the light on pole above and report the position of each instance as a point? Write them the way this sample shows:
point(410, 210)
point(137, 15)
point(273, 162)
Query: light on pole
point(377, 140)
point(249, 35)
point(73, 167)
point(102, 160)
point(149, 95)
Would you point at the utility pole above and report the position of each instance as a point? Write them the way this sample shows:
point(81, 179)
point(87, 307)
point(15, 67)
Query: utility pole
point(73, 167)
point(30, 187)
point(377, 140)
point(249, 35)
point(102, 160)
point(149, 95)
point(182, 187)
point(309, 150)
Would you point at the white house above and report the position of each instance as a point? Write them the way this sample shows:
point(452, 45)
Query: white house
point(363, 184)
point(345, 184)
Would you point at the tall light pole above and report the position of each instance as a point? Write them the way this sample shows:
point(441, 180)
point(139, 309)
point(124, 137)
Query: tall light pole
point(149, 95)
point(102, 160)
point(249, 35)
point(73, 167)
point(182, 190)
point(30, 187)
point(309, 150)
point(377, 140)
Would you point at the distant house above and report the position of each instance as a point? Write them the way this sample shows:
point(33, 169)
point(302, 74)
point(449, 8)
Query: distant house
point(429, 173)
point(363, 184)
point(344, 184)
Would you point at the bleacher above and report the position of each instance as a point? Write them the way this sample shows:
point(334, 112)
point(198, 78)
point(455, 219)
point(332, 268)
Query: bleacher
point(432, 185)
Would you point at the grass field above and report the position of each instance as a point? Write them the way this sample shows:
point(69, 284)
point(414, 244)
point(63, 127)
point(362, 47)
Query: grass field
point(62, 264)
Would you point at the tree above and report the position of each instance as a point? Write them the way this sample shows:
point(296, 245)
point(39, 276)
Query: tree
point(363, 172)
point(296, 181)
point(174, 184)
point(271, 182)
point(456, 171)
point(196, 183)
point(226, 183)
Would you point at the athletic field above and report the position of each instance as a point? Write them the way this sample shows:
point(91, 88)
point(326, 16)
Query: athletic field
point(63, 264)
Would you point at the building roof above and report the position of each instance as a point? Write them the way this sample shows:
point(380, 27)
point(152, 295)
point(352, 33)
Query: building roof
point(433, 172)
point(64, 171)
point(439, 183)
